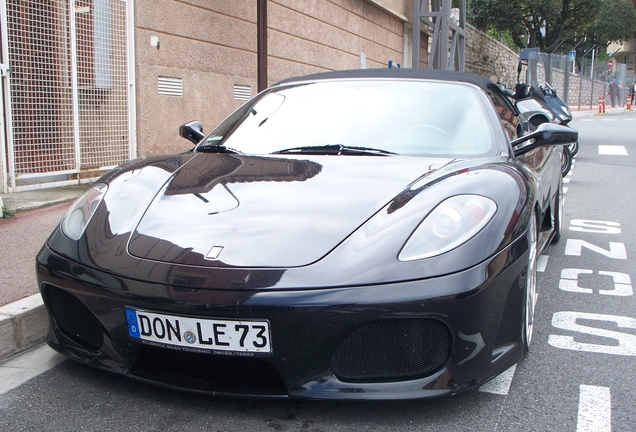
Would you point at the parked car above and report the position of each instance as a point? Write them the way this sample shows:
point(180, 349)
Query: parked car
point(366, 234)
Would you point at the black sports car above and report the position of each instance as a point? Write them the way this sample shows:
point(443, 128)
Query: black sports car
point(366, 234)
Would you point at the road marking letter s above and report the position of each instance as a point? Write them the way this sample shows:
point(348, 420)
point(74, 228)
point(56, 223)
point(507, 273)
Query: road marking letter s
point(567, 321)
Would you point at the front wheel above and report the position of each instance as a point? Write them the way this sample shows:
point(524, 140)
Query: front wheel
point(531, 283)
point(566, 161)
point(574, 148)
point(557, 213)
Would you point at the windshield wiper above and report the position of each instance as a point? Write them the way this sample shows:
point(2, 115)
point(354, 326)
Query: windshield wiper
point(210, 148)
point(335, 149)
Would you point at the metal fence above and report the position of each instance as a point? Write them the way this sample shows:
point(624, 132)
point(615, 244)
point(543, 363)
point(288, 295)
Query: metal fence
point(580, 83)
point(66, 97)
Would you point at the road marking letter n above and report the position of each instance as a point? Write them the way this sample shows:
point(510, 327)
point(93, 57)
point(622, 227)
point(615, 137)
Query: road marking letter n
point(616, 251)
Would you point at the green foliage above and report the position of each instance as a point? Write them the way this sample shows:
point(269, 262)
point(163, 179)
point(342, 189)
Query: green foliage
point(503, 37)
point(616, 22)
point(555, 25)
point(7, 212)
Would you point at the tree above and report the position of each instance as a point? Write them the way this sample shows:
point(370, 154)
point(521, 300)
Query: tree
point(543, 24)
point(615, 22)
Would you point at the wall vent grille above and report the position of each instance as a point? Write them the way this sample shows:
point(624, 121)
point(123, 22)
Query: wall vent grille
point(170, 86)
point(242, 92)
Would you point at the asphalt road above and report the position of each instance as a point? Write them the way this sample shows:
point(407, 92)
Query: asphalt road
point(580, 374)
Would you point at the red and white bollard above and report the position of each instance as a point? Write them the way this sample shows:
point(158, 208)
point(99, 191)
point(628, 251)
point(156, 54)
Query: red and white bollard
point(601, 105)
point(628, 103)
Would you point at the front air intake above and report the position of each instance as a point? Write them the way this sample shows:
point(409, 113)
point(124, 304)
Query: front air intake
point(392, 350)
point(74, 319)
point(208, 372)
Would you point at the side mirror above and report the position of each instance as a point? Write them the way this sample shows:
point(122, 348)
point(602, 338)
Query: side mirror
point(547, 134)
point(192, 131)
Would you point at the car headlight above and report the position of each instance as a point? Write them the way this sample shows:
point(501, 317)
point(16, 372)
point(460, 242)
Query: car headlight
point(76, 218)
point(450, 224)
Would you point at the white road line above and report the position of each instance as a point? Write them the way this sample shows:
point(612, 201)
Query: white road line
point(566, 180)
point(23, 367)
point(595, 409)
point(609, 119)
point(500, 384)
point(542, 263)
point(612, 150)
point(565, 190)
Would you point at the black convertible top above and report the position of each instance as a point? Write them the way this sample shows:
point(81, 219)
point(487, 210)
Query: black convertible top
point(397, 73)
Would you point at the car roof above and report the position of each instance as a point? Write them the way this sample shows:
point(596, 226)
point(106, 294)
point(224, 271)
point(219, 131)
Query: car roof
point(427, 74)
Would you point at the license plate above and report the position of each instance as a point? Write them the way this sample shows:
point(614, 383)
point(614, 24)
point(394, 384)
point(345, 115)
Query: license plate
point(224, 336)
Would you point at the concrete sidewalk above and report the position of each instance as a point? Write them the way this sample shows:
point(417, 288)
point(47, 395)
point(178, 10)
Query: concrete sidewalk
point(23, 319)
point(29, 200)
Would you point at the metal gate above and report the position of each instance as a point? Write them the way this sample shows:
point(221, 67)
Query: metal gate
point(67, 90)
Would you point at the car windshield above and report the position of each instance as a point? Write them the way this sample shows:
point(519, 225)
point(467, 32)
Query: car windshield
point(360, 117)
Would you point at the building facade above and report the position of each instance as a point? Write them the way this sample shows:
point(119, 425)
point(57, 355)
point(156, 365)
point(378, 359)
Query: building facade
point(90, 84)
point(211, 56)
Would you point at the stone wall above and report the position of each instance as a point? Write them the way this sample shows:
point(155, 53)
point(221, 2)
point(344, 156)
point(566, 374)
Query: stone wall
point(585, 94)
point(486, 57)
point(582, 91)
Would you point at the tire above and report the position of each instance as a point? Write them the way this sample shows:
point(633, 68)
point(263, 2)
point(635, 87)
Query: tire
point(566, 161)
point(574, 148)
point(530, 291)
point(557, 215)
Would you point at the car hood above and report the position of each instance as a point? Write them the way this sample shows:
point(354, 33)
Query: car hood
point(228, 210)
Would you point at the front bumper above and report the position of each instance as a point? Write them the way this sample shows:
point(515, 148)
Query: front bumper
point(480, 310)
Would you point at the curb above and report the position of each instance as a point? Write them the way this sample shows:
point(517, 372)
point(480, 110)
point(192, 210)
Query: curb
point(23, 324)
point(596, 113)
point(576, 114)
point(37, 204)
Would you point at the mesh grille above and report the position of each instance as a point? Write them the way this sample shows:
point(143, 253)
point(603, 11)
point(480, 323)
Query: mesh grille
point(74, 319)
point(392, 351)
point(65, 100)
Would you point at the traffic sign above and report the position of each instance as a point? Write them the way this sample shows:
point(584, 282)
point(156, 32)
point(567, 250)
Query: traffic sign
point(610, 63)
